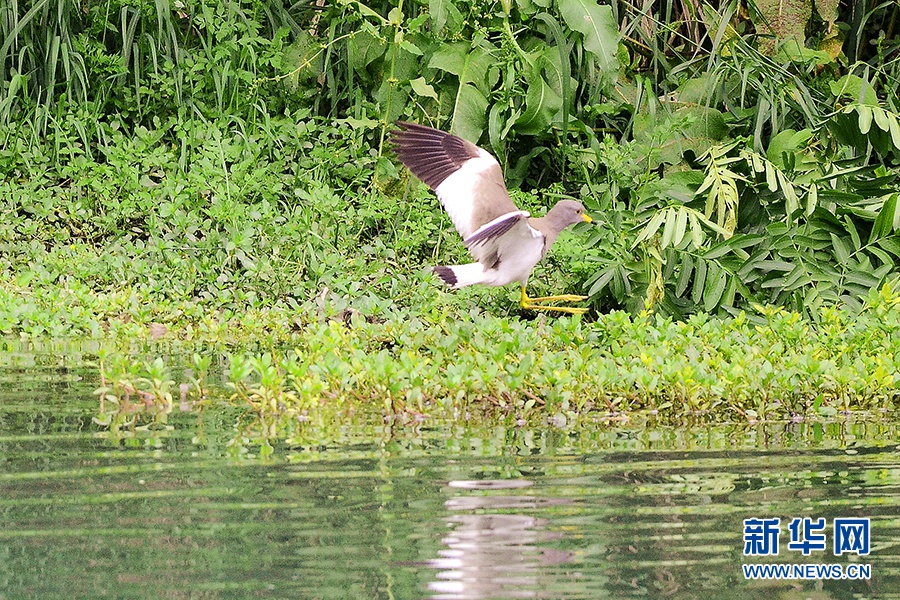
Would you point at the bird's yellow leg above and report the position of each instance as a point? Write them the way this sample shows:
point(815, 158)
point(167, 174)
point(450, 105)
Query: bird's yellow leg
point(562, 298)
point(533, 303)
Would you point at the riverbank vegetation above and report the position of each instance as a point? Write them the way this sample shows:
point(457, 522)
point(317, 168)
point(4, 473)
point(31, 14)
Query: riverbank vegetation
point(216, 176)
point(427, 369)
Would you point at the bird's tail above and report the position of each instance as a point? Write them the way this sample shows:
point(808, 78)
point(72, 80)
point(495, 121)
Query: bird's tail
point(457, 276)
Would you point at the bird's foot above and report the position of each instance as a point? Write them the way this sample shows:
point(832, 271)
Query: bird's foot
point(560, 298)
point(572, 310)
point(537, 303)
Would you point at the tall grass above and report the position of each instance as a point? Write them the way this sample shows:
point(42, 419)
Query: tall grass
point(71, 71)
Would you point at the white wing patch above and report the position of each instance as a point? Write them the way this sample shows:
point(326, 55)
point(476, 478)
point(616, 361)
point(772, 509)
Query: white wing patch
point(457, 191)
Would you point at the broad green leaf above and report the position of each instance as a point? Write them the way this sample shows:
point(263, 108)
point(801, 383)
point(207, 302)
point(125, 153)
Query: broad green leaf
point(443, 12)
point(450, 58)
point(787, 141)
point(720, 230)
point(620, 283)
point(701, 122)
point(854, 234)
point(792, 203)
point(882, 118)
point(599, 28)
point(749, 271)
point(716, 279)
point(739, 242)
point(557, 64)
point(470, 64)
point(688, 128)
point(796, 278)
point(883, 271)
point(651, 228)
point(541, 105)
point(605, 276)
point(699, 281)
point(891, 244)
point(684, 276)
point(406, 65)
point(698, 90)
point(495, 132)
point(884, 257)
point(696, 231)
point(862, 278)
point(364, 48)
point(856, 89)
point(845, 129)
point(730, 291)
point(679, 185)
point(680, 226)
point(812, 199)
point(411, 48)
point(887, 220)
point(774, 265)
point(841, 250)
point(864, 118)
point(395, 16)
point(469, 113)
point(774, 283)
point(708, 182)
point(550, 64)
point(304, 59)
point(391, 99)
point(771, 177)
point(794, 51)
point(669, 229)
point(895, 222)
point(421, 88)
point(895, 132)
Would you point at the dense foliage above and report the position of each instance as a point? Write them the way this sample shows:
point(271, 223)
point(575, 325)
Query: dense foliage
point(232, 154)
point(198, 176)
point(618, 369)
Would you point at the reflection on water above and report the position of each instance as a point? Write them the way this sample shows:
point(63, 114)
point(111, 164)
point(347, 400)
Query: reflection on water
point(439, 512)
point(492, 554)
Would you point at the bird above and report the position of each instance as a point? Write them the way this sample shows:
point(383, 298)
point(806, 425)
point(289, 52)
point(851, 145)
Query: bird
point(507, 243)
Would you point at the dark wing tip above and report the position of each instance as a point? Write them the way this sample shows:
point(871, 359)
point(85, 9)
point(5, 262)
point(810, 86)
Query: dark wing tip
point(431, 154)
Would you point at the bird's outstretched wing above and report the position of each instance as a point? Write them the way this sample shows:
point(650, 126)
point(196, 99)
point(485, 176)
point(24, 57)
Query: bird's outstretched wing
point(467, 179)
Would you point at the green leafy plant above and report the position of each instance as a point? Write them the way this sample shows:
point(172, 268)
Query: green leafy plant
point(776, 366)
point(725, 173)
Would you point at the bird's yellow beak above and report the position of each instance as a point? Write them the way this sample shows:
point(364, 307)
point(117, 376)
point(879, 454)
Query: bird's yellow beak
point(586, 218)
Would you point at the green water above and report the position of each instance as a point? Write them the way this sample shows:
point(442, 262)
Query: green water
point(428, 511)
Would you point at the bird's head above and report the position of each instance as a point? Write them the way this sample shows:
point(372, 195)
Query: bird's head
point(567, 212)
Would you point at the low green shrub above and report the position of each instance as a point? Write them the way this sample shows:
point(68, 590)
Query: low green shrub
point(392, 363)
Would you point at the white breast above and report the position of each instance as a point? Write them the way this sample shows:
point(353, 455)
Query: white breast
point(518, 256)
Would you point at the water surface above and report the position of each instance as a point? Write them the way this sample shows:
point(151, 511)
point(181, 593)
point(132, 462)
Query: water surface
point(429, 511)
